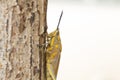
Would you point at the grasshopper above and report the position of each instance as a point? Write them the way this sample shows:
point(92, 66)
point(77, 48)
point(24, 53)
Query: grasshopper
point(53, 52)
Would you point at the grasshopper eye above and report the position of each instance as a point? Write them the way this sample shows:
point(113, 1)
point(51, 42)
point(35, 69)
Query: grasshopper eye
point(49, 39)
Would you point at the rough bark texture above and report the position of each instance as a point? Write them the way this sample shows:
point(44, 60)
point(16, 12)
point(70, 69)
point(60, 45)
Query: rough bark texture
point(22, 31)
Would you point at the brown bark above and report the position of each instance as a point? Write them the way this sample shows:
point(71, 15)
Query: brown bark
point(22, 31)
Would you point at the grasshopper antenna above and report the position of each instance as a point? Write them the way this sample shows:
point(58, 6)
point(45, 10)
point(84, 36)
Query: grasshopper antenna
point(59, 20)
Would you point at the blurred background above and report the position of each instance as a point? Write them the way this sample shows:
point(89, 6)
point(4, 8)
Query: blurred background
point(90, 34)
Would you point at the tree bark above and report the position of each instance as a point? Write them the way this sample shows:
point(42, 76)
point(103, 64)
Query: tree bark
point(22, 31)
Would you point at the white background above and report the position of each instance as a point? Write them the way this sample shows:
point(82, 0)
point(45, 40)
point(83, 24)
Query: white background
point(90, 34)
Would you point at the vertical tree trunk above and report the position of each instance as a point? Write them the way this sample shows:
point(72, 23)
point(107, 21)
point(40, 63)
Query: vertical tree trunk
point(22, 31)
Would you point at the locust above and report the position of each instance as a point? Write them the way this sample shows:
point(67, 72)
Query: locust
point(53, 52)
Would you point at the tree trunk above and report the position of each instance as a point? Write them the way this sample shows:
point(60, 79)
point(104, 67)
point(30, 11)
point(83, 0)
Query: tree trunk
point(22, 31)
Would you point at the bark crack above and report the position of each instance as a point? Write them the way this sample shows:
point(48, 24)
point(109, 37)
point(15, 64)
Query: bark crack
point(31, 56)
